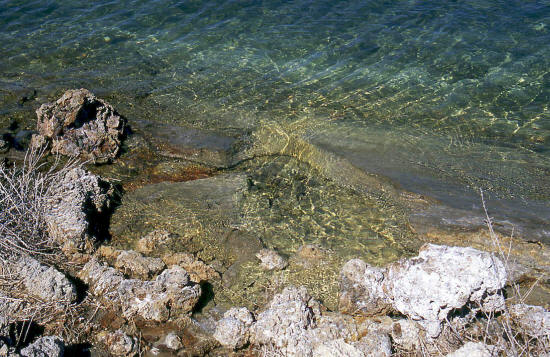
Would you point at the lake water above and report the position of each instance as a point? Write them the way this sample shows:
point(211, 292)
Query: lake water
point(443, 98)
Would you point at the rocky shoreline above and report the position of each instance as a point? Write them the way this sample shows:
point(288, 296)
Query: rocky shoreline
point(174, 262)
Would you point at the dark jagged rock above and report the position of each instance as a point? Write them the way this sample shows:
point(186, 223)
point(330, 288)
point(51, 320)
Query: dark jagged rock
point(80, 124)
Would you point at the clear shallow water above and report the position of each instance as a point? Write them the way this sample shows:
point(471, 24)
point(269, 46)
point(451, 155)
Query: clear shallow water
point(443, 97)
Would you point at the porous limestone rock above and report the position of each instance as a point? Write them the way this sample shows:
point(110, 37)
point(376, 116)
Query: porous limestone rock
point(80, 124)
point(136, 265)
point(406, 334)
point(533, 320)
point(118, 343)
point(361, 289)
point(477, 349)
point(197, 269)
point(292, 325)
point(44, 281)
point(285, 323)
point(374, 344)
point(331, 326)
point(75, 210)
point(271, 260)
point(170, 295)
point(337, 348)
point(47, 346)
point(428, 287)
point(233, 329)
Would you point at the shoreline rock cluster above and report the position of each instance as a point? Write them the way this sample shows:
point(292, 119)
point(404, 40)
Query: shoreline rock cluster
point(410, 306)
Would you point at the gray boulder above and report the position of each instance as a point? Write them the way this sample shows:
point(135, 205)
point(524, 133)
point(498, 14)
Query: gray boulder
point(428, 287)
point(47, 346)
point(81, 125)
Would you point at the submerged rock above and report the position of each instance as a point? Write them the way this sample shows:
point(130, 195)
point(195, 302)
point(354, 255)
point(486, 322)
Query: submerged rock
point(196, 145)
point(74, 213)
point(153, 240)
point(428, 287)
point(47, 346)
point(80, 124)
point(270, 260)
point(169, 296)
point(45, 282)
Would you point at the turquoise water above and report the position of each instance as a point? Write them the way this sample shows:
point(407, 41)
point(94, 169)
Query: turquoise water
point(443, 97)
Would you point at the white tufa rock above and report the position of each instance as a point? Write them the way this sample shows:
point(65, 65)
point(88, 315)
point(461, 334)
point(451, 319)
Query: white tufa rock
point(233, 329)
point(337, 348)
point(285, 323)
point(292, 325)
point(477, 349)
point(361, 289)
point(374, 344)
point(428, 287)
point(407, 334)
